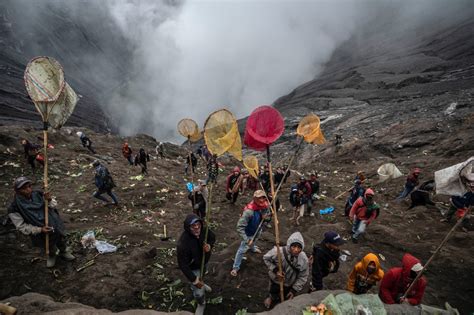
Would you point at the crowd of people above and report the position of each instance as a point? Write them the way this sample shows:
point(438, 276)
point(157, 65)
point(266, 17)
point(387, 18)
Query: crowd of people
point(195, 246)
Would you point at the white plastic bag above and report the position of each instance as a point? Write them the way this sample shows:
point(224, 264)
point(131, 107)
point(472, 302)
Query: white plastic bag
point(448, 180)
point(104, 247)
point(388, 171)
point(88, 240)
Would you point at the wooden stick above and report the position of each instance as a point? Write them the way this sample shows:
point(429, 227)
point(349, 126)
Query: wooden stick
point(208, 214)
point(277, 230)
point(288, 168)
point(45, 181)
point(435, 253)
point(192, 170)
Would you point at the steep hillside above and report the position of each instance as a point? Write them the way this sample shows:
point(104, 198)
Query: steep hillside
point(86, 43)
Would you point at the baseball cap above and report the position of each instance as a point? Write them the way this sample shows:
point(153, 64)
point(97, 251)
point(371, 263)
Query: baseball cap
point(195, 220)
point(259, 194)
point(20, 182)
point(332, 237)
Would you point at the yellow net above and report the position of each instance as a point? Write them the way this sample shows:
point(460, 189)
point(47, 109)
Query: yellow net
point(196, 136)
point(251, 164)
point(221, 134)
point(309, 129)
point(188, 128)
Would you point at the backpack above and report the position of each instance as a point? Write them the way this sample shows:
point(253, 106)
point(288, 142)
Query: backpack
point(370, 209)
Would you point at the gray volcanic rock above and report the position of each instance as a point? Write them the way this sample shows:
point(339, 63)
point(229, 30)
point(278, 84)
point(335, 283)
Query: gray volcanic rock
point(391, 73)
point(86, 43)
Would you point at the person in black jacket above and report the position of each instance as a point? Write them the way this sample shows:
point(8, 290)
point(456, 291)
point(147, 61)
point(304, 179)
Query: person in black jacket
point(199, 198)
point(86, 142)
point(325, 259)
point(279, 174)
point(265, 179)
point(141, 158)
point(192, 163)
point(190, 250)
point(314, 182)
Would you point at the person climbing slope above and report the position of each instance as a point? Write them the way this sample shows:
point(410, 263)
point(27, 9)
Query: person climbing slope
point(365, 274)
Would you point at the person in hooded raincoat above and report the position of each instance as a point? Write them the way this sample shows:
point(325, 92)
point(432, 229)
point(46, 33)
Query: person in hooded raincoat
point(365, 274)
point(397, 280)
point(190, 249)
point(363, 212)
point(294, 266)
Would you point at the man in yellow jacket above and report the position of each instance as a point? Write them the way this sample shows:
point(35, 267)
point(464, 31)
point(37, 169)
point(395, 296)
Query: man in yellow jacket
point(366, 273)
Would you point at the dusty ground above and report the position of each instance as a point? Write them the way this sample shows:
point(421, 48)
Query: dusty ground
point(133, 278)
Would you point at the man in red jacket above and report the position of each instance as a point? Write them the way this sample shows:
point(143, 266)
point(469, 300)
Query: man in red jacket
point(397, 280)
point(363, 212)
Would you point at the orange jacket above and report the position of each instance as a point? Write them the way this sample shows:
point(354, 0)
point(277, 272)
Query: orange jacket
point(359, 273)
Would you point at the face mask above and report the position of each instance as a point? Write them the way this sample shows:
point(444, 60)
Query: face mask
point(371, 270)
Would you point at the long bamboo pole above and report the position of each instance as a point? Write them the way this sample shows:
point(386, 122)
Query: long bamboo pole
point(45, 183)
point(289, 165)
point(434, 254)
point(192, 169)
point(277, 230)
point(208, 215)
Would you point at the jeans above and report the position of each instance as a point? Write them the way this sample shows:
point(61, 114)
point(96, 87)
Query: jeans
point(130, 160)
point(358, 227)
point(109, 192)
point(243, 248)
point(198, 294)
point(408, 189)
point(309, 205)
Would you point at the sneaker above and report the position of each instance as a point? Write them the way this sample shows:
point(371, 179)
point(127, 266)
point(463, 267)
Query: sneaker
point(234, 272)
point(444, 220)
point(257, 250)
point(67, 255)
point(51, 261)
point(267, 302)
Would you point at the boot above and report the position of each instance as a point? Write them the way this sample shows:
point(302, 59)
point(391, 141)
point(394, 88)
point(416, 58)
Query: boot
point(200, 309)
point(51, 261)
point(67, 255)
